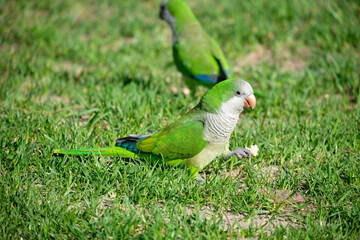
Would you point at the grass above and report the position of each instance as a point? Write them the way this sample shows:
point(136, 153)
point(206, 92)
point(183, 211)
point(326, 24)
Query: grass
point(81, 74)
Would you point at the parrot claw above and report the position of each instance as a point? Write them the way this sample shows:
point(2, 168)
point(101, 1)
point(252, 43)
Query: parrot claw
point(240, 153)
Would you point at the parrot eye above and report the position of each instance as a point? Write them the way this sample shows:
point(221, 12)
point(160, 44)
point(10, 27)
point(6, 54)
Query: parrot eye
point(238, 93)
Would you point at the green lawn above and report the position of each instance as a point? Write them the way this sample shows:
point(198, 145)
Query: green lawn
point(83, 73)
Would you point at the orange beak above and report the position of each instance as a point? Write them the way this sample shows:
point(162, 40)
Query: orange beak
point(250, 101)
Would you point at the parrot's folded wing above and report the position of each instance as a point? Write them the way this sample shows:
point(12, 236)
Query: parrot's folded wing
point(199, 61)
point(181, 140)
point(220, 58)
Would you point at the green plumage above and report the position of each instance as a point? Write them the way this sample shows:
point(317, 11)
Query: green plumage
point(176, 141)
point(180, 141)
point(109, 151)
point(196, 55)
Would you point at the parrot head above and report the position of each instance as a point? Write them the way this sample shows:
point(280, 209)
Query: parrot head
point(174, 9)
point(164, 13)
point(232, 95)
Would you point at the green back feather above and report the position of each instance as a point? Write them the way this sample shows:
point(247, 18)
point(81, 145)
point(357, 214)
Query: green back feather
point(180, 140)
point(194, 51)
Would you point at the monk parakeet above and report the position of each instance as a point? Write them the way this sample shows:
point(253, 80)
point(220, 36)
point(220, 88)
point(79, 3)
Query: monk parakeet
point(196, 55)
point(195, 139)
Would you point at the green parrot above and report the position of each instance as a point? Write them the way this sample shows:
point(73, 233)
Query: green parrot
point(196, 55)
point(195, 139)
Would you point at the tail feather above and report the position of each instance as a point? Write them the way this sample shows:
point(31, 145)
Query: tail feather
point(129, 142)
point(110, 151)
point(124, 147)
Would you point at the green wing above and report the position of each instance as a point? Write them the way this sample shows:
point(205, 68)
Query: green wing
point(180, 140)
point(219, 55)
point(196, 54)
point(192, 61)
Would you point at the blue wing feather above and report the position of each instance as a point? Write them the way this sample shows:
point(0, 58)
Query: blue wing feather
point(129, 142)
point(209, 78)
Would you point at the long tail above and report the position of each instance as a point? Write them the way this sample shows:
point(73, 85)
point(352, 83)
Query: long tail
point(109, 151)
point(124, 147)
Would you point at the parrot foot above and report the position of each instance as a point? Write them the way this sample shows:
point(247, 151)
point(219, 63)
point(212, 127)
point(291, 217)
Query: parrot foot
point(240, 153)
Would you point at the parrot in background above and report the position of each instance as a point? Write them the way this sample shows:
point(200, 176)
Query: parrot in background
point(195, 139)
point(196, 55)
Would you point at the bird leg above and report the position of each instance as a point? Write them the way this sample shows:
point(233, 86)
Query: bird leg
point(240, 153)
point(194, 174)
